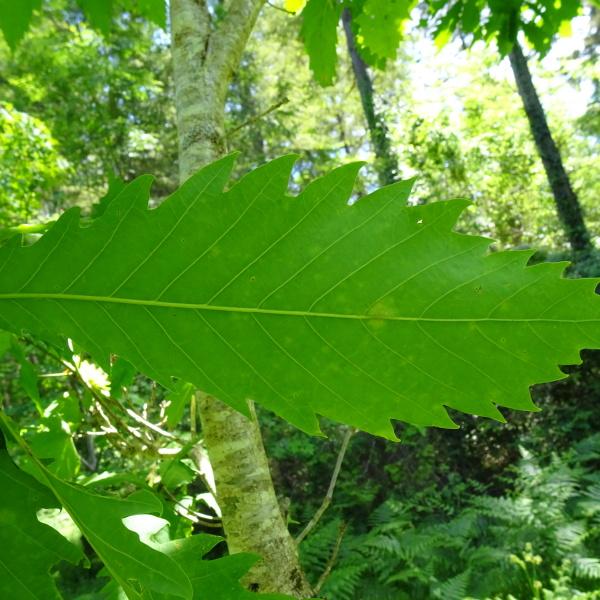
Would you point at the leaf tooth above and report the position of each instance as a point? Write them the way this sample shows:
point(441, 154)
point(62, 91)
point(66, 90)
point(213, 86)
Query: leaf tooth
point(276, 172)
point(201, 187)
point(453, 210)
point(134, 195)
point(66, 224)
point(343, 178)
point(487, 408)
point(553, 270)
point(400, 190)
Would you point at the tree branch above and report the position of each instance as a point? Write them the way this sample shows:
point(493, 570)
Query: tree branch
point(259, 116)
point(332, 559)
point(329, 496)
point(280, 8)
point(231, 36)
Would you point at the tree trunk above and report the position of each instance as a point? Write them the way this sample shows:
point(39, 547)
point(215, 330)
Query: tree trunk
point(567, 204)
point(205, 55)
point(386, 161)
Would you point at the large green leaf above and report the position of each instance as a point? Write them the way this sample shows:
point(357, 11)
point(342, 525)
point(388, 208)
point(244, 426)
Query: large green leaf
point(28, 548)
point(361, 313)
point(217, 579)
point(140, 570)
point(122, 533)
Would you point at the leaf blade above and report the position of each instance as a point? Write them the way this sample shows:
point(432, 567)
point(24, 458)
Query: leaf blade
point(305, 304)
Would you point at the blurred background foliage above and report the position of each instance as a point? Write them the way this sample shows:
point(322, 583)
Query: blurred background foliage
point(488, 511)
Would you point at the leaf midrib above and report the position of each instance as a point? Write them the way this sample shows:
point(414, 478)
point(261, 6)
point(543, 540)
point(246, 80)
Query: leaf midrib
point(275, 312)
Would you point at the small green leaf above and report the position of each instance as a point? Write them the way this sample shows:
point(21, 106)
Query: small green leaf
point(69, 410)
point(215, 579)
point(122, 373)
point(138, 569)
point(155, 11)
point(442, 38)
point(319, 32)
point(55, 442)
point(178, 399)
point(175, 473)
point(470, 16)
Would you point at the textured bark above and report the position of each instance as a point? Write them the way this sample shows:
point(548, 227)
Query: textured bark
point(567, 203)
point(386, 161)
point(205, 55)
point(251, 514)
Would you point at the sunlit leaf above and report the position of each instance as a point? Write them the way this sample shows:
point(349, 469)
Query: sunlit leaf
point(381, 23)
point(294, 5)
point(361, 313)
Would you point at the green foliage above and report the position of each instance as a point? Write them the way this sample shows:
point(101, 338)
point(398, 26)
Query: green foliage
point(30, 165)
point(476, 147)
point(178, 399)
point(28, 548)
point(217, 579)
point(304, 323)
point(380, 23)
point(502, 20)
point(542, 540)
point(15, 18)
point(136, 567)
point(133, 545)
point(124, 82)
point(52, 441)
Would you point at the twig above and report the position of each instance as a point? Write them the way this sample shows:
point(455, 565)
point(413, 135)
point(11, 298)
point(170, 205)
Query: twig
point(282, 9)
point(193, 415)
point(258, 117)
point(106, 402)
point(149, 425)
point(26, 228)
point(332, 559)
point(193, 515)
point(329, 496)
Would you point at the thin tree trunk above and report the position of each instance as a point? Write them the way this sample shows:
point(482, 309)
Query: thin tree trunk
point(205, 55)
point(386, 161)
point(567, 204)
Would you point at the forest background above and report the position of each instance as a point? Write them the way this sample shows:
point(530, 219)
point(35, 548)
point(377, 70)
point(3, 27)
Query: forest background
point(487, 511)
